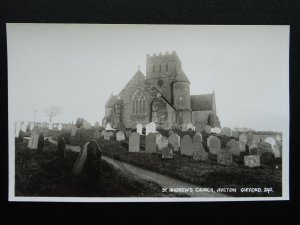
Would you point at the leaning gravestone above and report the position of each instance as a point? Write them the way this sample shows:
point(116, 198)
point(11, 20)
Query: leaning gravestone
point(199, 153)
point(252, 161)
point(139, 128)
point(224, 158)
point(197, 138)
point(134, 142)
point(174, 141)
point(213, 144)
point(120, 136)
point(233, 147)
point(106, 135)
point(167, 152)
point(263, 148)
point(186, 145)
point(207, 129)
point(150, 143)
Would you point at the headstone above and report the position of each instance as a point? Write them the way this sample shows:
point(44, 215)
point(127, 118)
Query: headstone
point(243, 139)
point(233, 147)
point(167, 152)
point(197, 138)
point(252, 161)
point(150, 143)
point(242, 147)
point(96, 134)
point(189, 126)
point(199, 153)
point(186, 145)
point(264, 147)
point(163, 143)
point(134, 142)
point(174, 140)
point(158, 137)
point(139, 128)
point(207, 129)
point(235, 134)
point(250, 137)
point(276, 151)
point(150, 128)
point(271, 141)
point(254, 142)
point(213, 144)
point(59, 127)
point(106, 135)
point(226, 131)
point(224, 158)
point(50, 126)
point(120, 136)
point(33, 141)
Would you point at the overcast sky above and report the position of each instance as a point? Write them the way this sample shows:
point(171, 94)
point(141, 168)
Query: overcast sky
point(77, 67)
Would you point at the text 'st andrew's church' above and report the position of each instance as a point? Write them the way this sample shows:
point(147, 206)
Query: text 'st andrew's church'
point(162, 96)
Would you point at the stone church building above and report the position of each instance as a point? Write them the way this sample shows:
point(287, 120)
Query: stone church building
point(162, 96)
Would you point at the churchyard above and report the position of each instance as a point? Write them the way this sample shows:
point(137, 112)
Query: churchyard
point(212, 158)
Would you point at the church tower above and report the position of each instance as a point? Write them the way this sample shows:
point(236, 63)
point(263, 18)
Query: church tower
point(161, 71)
point(182, 99)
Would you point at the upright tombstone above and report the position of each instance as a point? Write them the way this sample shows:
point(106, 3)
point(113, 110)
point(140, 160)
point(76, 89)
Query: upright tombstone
point(174, 140)
point(158, 137)
point(150, 128)
point(106, 135)
point(271, 141)
point(139, 128)
point(197, 138)
point(34, 138)
point(163, 143)
point(243, 139)
point(96, 134)
point(233, 147)
point(252, 161)
point(167, 152)
point(150, 143)
point(59, 127)
point(276, 151)
point(254, 142)
point(186, 145)
point(213, 144)
point(263, 148)
point(224, 158)
point(134, 142)
point(207, 129)
point(189, 126)
point(120, 136)
point(199, 153)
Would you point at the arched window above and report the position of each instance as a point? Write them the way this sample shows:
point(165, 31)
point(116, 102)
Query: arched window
point(138, 101)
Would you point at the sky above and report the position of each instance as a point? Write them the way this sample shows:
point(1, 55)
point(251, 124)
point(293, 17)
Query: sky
point(77, 67)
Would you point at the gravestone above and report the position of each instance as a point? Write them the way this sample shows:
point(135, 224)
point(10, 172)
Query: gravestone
point(106, 135)
point(120, 136)
point(163, 143)
point(243, 139)
point(226, 131)
point(167, 152)
point(134, 142)
point(224, 158)
point(271, 141)
point(276, 151)
point(150, 128)
point(139, 128)
point(197, 138)
point(242, 147)
point(250, 137)
point(189, 126)
point(216, 130)
point(207, 129)
point(96, 134)
point(254, 142)
point(186, 145)
point(158, 137)
point(235, 134)
point(33, 141)
point(213, 144)
point(59, 127)
point(150, 143)
point(233, 147)
point(252, 161)
point(174, 141)
point(199, 153)
point(263, 148)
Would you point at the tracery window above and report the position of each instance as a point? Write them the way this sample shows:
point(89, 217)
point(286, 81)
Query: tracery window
point(138, 102)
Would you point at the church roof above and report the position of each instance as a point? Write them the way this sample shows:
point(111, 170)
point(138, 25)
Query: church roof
point(139, 74)
point(181, 77)
point(202, 102)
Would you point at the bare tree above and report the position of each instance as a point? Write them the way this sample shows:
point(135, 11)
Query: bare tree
point(51, 112)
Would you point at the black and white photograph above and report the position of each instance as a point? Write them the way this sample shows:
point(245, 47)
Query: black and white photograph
point(148, 113)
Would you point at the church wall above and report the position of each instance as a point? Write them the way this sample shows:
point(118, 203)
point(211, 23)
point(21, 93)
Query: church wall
point(200, 117)
point(181, 92)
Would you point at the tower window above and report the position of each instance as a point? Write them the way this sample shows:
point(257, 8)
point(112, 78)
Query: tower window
point(138, 102)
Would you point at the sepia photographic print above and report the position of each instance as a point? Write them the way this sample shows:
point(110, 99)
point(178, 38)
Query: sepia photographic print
point(130, 113)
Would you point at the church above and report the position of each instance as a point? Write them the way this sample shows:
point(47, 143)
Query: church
point(161, 96)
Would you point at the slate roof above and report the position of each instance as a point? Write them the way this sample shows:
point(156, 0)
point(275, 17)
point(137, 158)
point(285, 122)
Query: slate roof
point(202, 102)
